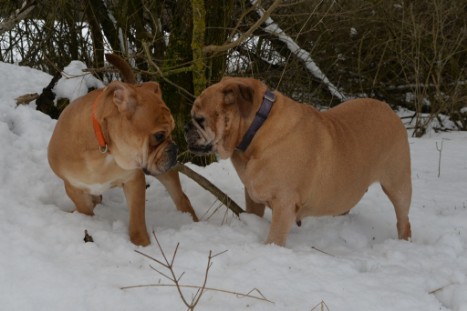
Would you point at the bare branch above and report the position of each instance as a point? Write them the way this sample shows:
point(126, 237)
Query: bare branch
point(244, 36)
point(21, 13)
point(169, 266)
point(238, 294)
point(274, 29)
point(152, 258)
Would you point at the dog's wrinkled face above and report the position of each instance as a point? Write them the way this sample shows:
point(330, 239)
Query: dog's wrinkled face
point(140, 128)
point(218, 115)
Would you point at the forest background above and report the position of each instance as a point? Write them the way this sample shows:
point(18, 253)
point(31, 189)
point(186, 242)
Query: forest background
point(411, 54)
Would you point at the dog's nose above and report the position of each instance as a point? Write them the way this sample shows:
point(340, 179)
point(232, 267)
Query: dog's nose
point(188, 127)
point(172, 150)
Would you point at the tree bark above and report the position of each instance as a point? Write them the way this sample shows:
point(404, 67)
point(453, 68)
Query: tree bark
point(197, 44)
point(96, 34)
point(109, 27)
point(178, 55)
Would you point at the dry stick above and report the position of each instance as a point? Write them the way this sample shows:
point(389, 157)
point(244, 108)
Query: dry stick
point(206, 184)
point(322, 305)
point(440, 150)
point(242, 295)
point(169, 264)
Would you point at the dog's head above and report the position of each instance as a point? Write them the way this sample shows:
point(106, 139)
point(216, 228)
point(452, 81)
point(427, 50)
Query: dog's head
point(138, 126)
point(221, 115)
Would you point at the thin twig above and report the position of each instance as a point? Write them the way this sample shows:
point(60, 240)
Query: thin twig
point(317, 249)
point(440, 150)
point(246, 35)
point(168, 264)
point(321, 305)
point(241, 295)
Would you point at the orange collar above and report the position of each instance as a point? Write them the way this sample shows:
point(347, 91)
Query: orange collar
point(97, 127)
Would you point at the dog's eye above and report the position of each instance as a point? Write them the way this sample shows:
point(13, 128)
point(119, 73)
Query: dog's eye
point(159, 137)
point(200, 121)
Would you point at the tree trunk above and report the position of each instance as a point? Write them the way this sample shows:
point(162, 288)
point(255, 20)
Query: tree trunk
point(109, 28)
point(96, 34)
point(218, 23)
point(197, 44)
point(179, 55)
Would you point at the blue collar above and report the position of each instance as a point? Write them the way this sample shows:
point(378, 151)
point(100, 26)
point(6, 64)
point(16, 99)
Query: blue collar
point(260, 117)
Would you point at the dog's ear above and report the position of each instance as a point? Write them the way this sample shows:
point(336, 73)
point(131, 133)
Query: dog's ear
point(152, 86)
point(123, 97)
point(240, 94)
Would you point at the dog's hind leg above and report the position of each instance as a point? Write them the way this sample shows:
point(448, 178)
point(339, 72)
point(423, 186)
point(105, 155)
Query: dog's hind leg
point(399, 192)
point(284, 215)
point(84, 201)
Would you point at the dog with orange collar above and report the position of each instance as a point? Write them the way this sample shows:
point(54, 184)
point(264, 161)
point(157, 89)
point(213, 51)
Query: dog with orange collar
point(111, 137)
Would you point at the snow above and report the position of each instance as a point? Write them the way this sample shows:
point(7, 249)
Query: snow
point(74, 82)
point(351, 262)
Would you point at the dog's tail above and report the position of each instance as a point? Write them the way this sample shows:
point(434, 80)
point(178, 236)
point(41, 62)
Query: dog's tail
point(127, 73)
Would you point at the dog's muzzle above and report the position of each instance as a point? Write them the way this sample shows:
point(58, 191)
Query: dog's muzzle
point(165, 162)
point(172, 152)
point(196, 142)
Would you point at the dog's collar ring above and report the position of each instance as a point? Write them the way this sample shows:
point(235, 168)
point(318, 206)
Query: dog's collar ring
point(104, 149)
point(261, 115)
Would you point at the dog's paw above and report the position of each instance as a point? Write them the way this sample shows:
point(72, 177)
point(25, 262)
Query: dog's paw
point(140, 239)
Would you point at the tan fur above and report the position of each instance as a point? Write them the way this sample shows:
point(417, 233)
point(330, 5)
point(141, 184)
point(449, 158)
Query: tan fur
point(303, 162)
point(130, 116)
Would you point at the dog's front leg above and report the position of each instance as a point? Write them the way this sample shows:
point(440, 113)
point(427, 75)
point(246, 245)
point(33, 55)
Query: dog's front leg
point(283, 217)
point(84, 202)
point(171, 181)
point(135, 193)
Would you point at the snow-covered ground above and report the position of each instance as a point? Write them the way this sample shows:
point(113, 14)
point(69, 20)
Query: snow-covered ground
point(344, 263)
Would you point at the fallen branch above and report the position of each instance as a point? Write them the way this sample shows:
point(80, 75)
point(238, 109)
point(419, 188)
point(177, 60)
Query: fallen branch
point(206, 184)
